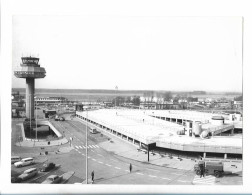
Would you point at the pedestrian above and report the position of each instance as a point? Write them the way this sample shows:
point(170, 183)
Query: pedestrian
point(202, 172)
point(130, 167)
point(92, 176)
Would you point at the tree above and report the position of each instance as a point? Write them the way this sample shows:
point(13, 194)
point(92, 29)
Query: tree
point(167, 96)
point(239, 98)
point(136, 100)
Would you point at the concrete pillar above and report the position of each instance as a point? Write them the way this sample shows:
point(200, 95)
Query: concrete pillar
point(204, 155)
point(225, 156)
point(30, 88)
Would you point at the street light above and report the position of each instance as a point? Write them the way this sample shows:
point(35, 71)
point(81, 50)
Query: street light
point(86, 147)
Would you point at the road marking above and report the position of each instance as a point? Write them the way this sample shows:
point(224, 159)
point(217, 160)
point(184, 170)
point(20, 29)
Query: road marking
point(152, 169)
point(79, 151)
point(90, 146)
point(152, 176)
point(181, 181)
point(93, 159)
point(92, 150)
point(108, 165)
point(83, 154)
point(77, 147)
point(127, 170)
point(165, 178)
point(139, 173)
point(114, 160)
point(100, 155)
point(80, 147)
point(117, 168)
point(100, 162)
point(84, 147)
point(176, 173)
point(88, 157)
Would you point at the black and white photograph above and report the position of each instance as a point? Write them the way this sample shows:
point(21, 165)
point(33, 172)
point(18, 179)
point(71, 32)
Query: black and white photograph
point(125, 100)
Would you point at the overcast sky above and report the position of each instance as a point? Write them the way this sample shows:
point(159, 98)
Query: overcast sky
point(153, 53)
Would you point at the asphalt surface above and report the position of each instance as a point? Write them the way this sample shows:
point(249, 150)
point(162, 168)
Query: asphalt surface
point(109, 168)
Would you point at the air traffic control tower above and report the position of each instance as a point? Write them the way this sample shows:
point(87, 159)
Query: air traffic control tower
point(30, 70)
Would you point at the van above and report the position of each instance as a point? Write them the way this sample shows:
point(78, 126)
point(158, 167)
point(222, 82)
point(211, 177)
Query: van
point(24, 162)
point(15, 159)
point(92, 130)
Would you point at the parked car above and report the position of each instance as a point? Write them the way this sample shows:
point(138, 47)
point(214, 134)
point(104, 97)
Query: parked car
point(29, 173)
point(15, 159)
point(24, 162)
point(47, 167)
point(53, 179)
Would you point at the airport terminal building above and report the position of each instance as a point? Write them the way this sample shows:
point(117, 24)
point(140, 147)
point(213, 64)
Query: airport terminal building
point(186, 132)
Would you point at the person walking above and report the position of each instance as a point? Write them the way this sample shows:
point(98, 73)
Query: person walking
point(202, 172)
point(130, 167)
point(92, 176)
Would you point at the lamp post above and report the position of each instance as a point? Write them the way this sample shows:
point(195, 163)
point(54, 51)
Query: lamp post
point(86, 147)
point(116, 88)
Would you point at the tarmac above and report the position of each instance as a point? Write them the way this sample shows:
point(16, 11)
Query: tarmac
point(128, 150)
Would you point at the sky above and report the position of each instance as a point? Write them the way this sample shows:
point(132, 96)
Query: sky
point(133, 53)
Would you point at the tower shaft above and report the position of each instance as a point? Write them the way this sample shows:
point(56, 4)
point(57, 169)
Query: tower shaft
point(30, 89)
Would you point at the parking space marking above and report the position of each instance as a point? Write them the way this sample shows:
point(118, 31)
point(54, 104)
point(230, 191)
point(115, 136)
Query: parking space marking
point(93, 159)
point(117, 168)
point(100, 155)
point(90, 146)
point(139, 173)
point(114, 160)
point(152, 176)
point(100, 162)
point(77, 147)
point(80, 147)
point(127, 170)
point(108, 165)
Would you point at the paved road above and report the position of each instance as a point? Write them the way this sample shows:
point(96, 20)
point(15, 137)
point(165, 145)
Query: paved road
point(109, 168)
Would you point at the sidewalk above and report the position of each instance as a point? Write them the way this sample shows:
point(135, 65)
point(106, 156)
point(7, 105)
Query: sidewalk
point(29, 143)
point(127, 150)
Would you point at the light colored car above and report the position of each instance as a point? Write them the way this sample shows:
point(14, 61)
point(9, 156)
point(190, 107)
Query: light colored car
point(15, 159)
point(29, 173)
point(53, 179)
point(24, 162)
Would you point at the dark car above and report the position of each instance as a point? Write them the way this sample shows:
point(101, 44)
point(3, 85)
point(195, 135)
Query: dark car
point(47, 167)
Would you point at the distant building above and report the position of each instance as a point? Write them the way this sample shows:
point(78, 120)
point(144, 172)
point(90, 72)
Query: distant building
point(17, 105)
point(50, 100)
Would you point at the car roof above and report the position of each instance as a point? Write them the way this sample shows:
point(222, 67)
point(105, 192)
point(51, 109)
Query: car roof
point(15, 156)
point(27, 158)
point(31, 169)
point(52, 176)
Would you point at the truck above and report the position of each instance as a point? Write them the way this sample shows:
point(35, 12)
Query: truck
point(210, 168)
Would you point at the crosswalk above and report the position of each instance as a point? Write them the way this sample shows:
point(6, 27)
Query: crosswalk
point(84, 147)
point(207, 180)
